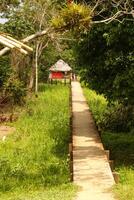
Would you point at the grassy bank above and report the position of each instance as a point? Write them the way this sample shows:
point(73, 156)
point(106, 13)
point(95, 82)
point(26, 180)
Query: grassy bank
point(33, 161)
point(121, 146)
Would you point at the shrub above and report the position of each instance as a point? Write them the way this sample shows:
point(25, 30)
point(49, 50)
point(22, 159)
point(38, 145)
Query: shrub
point(110, 116)
point(5, 69)
point(14, 90)
point(118, 118)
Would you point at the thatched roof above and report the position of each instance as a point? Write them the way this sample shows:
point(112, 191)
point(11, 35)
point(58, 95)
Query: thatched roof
point(61, 66)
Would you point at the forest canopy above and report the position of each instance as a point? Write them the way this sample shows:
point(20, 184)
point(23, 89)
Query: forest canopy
point(100, 40)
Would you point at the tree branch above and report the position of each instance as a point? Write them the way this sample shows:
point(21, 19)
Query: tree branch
point(114, 17)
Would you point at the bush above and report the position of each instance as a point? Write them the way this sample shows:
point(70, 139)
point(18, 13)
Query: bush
point(110, 116)
point(97, 104)
point(118, 118)
point(5, 69)
point(14, 90)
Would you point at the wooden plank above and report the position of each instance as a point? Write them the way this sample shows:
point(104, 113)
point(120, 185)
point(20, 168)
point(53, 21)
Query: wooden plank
point(70, 147)
point(6, 43)
point(71, 166)
point(4, 50)
point(116, 177)
point(27, 39)
point(38, 34)
point(22, 44)
point(11, 42)
point(107, 154)
point(111, 163)
point(13, 45)
point(23, 51)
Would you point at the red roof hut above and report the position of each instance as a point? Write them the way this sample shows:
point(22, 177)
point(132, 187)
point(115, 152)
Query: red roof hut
point(60, 70)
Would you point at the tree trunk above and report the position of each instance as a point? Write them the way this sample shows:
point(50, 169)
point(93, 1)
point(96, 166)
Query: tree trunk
point(32, 76)
point(36, 67)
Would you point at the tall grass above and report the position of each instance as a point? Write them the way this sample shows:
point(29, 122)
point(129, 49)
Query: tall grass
point(35, 156)
point(97, 104)
point(121, 146)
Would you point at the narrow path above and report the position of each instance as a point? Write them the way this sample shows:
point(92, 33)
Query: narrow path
point(91, 170)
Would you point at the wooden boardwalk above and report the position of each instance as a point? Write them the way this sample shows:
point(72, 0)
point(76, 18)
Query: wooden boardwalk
point(91, 170)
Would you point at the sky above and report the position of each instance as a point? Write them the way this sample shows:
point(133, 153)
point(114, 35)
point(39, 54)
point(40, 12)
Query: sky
point(2, 21)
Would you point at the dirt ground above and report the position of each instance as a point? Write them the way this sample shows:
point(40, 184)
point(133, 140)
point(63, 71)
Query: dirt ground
point(5, 131)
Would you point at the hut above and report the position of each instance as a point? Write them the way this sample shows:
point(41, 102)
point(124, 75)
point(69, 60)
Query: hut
point(59, 71)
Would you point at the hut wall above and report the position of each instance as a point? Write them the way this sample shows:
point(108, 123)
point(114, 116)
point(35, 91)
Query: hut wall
point(57, 75)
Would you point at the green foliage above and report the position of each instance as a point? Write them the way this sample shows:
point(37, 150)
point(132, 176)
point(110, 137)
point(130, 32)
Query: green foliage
point(65, 191)
point(14, 90)
point(73, 17)
point(118, 118)
point(51, 55)
point(69, 56)
point(18, 26)
point(29, 18)
point(97, 104)
point(114, 117)
point(5, 69)
point(106, 54)
point(6, 4)
point(31, 158)
point(121, 145)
